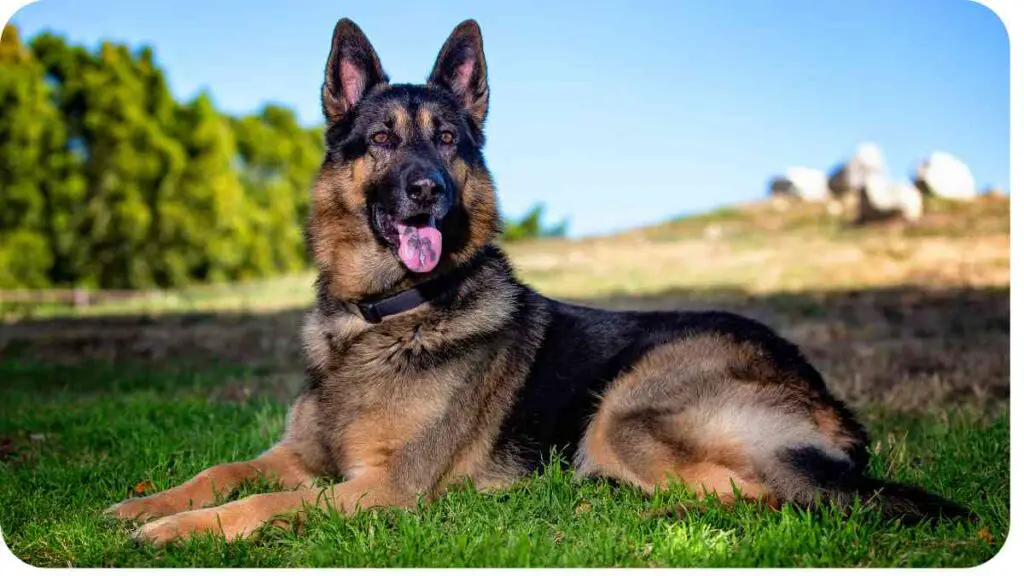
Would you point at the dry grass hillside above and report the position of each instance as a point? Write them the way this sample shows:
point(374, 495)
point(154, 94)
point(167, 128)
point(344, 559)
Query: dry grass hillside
point(758, 249)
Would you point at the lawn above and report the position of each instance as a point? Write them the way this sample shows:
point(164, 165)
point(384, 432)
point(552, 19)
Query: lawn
point(911, 325)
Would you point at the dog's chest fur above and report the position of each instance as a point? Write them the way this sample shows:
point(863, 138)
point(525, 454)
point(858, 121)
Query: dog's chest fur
point(379, 387)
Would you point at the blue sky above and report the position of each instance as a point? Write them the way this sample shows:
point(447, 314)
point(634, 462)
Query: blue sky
point(615, 115)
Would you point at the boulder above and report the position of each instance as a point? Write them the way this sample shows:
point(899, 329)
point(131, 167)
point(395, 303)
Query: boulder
point(867, 161)
point(945, 176)
point(880, 199)
point(807, 184)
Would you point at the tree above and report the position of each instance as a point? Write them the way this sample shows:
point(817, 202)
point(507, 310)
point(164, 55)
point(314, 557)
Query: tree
point(117, 113)
point(201, 221)
point(32, 164)
point(277, 161)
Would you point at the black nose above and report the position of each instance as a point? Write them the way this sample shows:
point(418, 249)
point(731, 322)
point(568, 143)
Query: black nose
point(425, 189)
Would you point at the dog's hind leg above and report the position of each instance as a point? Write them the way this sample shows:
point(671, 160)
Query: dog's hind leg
point(633, 447)
point(281, 463)
point(681, 414)
point(792, 462)
point(696, 411)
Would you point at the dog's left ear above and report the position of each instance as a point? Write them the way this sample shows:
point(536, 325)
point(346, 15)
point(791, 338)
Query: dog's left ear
point(461, 69)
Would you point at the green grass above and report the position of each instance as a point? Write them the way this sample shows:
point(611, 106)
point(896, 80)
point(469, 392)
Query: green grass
point(75, 439)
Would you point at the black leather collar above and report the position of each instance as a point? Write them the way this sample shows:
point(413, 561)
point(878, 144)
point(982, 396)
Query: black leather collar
point(374, 311)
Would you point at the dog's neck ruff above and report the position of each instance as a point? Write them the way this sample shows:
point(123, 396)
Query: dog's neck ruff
point(376, 310)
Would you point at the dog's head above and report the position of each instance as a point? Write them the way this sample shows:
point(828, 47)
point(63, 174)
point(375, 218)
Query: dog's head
point(403, 193)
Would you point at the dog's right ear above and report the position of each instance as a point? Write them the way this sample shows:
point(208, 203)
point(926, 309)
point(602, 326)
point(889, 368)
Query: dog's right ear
point(352, 69)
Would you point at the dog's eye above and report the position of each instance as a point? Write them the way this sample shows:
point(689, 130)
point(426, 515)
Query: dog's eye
point(381, 137)
point(447, 137)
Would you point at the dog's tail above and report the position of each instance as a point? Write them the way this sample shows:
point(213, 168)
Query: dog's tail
point(809, 477)
point(911, 504)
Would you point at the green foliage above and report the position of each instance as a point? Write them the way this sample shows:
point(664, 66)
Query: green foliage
point(107, 182)
point(31, 135)
point(532, 226)
point(276, 157)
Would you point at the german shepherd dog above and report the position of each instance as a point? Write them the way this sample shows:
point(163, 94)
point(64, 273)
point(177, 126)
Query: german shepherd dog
point(429, 363)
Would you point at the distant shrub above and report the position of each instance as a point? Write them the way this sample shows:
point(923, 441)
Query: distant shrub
point(532, 226)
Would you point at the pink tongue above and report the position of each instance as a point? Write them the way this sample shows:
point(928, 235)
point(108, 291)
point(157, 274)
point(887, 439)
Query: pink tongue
point(419, 247)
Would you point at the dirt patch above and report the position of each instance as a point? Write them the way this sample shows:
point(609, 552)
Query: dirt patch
point(268, 340)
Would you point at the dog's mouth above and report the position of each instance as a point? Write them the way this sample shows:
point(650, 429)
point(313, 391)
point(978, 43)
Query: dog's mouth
point(416, 239)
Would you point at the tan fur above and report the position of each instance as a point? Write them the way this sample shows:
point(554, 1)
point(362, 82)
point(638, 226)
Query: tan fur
point(425, 120)
point(707, 478)
point(341, 240)
point(826, 419)
point(281, 463)
point(353, 189)
point(302, 434)
point(479, 197)
point(372, 439)
point(474, 458)
point(323, 336)
point(241, 518)
point(402, 123)
point(599, 457)
point(707, 444)
point(473, 462)
point(654, 464)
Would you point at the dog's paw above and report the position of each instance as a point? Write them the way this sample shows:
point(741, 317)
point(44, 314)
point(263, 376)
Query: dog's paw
point(141, 509)
point(184, 525)
point(161, 532)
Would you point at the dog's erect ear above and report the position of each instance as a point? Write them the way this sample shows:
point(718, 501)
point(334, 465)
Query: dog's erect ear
point(461, 68)
point(352, 69)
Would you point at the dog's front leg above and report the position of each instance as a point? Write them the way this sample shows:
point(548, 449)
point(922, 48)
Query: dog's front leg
point(241, 518)
point(414, 469)
point(281, 463)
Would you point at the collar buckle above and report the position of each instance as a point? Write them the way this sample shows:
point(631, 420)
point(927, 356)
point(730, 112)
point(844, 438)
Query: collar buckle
point(369, 312)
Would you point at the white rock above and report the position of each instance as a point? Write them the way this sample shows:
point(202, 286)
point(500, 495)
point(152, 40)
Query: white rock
point(911, 201)
point(946, 176)
point(879, 193)
point(869, 158)
point(881, 198)
point(867, 161)
point(808, 184)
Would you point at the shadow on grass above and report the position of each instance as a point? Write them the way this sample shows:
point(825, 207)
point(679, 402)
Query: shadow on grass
point(902, 347)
